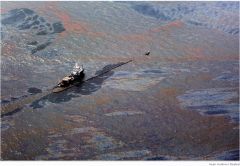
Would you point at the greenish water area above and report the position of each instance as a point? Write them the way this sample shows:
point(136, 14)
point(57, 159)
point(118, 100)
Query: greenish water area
point(178, 99)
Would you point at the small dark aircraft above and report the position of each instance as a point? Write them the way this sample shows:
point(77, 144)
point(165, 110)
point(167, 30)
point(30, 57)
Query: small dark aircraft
point(147, 53)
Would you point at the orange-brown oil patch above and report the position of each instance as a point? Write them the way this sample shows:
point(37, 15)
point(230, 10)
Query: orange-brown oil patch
point(40, 135)
point(10, 5)
point(206, 130)
point(197, 54)
point(75, 118)
point(194, 53)
point(71, 26)
point(139, 59)
point(136, 37)
point(8, 48)
point(140, 39)
point(192, 130)
point(202, 57)
point(171, 91)
point(147, 35)
point(174, 24)
point(2, 10)
point(103, 100)
point(63, 16)
point(15, 138)
point(205, 76)
point(220, 133)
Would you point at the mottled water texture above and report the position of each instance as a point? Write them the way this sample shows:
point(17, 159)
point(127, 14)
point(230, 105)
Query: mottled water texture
point(85, 88)
point(180, 102)
point(212, 101)
point(192, 13)
point(28, 20)
point(24, 19)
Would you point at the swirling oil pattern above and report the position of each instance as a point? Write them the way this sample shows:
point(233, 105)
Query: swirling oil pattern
point(178, 99)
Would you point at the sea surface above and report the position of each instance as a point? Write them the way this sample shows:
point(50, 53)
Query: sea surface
point(180, 102)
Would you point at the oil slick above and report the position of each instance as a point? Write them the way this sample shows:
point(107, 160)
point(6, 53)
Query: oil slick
point(28, 21)
point(127, 155)
point(124, 113)
point(213, 101)
point(179, 103)
point(60, 147)
point(135, 81)
point(166, 12)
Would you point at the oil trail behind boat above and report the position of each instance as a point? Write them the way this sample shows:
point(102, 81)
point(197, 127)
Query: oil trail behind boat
point(89, 86)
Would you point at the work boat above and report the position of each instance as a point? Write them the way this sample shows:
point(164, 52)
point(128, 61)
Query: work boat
point(76, 76)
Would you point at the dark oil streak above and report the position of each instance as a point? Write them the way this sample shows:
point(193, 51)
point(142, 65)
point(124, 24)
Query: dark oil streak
point(16, 106)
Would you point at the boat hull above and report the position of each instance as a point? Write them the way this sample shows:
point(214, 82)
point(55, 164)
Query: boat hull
point(78, 80)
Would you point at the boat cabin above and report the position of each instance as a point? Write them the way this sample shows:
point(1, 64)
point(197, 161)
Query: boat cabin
point(77, 74)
